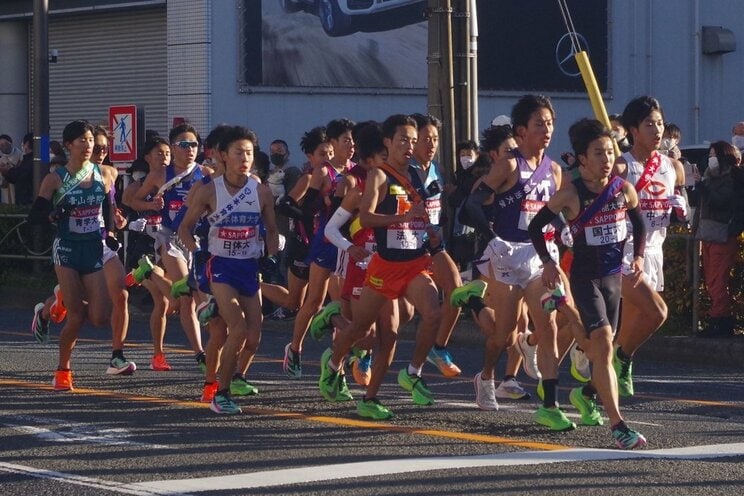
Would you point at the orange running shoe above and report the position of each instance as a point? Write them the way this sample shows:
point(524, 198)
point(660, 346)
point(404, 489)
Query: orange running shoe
point(57, 312)
point(159, 363)
point(361, 368)
point(62, 380)
point(210, 389)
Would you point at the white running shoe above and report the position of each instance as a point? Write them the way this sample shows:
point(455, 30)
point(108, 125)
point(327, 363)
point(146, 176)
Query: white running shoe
point(529, 355)
point(485, 393)
point(511, 390)
point(580, 368)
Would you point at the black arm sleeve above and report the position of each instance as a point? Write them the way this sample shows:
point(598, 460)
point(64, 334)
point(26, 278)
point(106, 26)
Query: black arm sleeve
point(310, 205)
point(40, 211)
point(289, 208)
point(107, 220)
point(639, 231)
point(335, 203)
point(542, 219)
point(474, 207)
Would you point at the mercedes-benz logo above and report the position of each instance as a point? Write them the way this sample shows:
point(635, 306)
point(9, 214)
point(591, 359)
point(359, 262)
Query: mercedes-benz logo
point(565, 54)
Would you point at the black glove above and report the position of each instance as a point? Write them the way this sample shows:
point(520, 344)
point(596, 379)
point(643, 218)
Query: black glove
point(201, 257)
point(269, 267)
point(112, 243)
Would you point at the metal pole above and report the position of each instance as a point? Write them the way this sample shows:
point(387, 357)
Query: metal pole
point(40, 92)
point(434, 60)
point(473, 54)
point(461, 39)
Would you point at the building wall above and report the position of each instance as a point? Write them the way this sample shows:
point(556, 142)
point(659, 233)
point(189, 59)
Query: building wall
point(14, 98)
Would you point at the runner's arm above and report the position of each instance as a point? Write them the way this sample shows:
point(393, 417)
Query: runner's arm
point(199, 205)
point(269, 219)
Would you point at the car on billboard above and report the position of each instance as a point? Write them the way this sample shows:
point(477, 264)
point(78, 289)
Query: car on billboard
point(343, 17)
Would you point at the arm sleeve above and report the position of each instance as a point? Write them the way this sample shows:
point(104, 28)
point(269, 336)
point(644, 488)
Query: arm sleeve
point(474, 207)
point(333, 228)
point(542, 219)
point(639, 231)
point(40, 211)
point(289, 208)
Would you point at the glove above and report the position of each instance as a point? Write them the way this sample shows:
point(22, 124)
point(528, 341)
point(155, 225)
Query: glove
point(201, 257)
point(138, 225)
point(112, 243)
point(269, 267)
point(566, 237)
point(678, 203)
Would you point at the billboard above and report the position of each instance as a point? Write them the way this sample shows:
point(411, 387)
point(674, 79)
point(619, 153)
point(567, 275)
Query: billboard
point(383, 44)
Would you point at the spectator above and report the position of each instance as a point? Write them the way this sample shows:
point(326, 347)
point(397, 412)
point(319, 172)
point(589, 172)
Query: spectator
point(22, 175)
point(720, 206)
point(10, 157)
point(619, 132)
point(463, 237)
point(670, 141)
point(737, 138)
point(57, 153)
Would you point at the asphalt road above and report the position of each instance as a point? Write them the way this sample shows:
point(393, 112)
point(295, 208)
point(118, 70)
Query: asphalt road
point(147, 433)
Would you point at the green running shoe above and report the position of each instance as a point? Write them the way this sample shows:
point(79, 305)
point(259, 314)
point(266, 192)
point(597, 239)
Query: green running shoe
point(224, 404)
point(624, 371)
point(201, 362)
point(461, 295)
point(206, 310)
point(540, 390)
point(580, 366)
point(343, 390)
point(143, 270)
point(373, 409)
point(587, 407)
point(39, 326)
point(181, 288)
point(240, 387)
point(292, 364)
point(554, 419)
point(627, 438)
point(321, 322)
point(416, 385)
point(330, 380)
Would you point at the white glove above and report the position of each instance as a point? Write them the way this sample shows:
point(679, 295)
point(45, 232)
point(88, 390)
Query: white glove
point(566, 237)
point(282, 242)
point(678, 203)
point(138, 225)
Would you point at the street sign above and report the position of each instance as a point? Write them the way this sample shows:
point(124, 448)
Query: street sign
point(123, 125)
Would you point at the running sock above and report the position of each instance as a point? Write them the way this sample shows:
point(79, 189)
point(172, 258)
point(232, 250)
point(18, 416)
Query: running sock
point(224, 392)
point(508, 378)
point(439, 348)
point(589, 391)
point(620, 425)
point(414, 371)
point(238, 375)
point(550, 387)
point(622, 356)
point(476, 304)
point(333, 366)
point(117, 354)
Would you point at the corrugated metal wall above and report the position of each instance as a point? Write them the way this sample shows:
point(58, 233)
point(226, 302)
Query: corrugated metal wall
point(108, 59)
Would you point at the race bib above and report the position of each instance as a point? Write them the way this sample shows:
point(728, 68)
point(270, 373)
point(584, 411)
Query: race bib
point(434, 209)
point(84, 220)
point(606, 228)
point(655, 212)
point(235, 243)
point(528, 211)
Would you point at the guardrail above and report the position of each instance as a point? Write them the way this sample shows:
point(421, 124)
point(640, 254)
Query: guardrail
point(25, 243)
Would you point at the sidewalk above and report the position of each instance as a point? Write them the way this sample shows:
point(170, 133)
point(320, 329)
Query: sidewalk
point(678, 349)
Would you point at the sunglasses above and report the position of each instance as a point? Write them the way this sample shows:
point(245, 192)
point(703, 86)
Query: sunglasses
point(100, 149)
point(185, 145)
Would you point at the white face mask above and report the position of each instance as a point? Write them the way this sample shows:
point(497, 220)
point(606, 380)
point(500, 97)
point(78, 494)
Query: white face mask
point(738, 141)
point(467, 162)
point(138, 175)
point(668, 144)
point(713, 163)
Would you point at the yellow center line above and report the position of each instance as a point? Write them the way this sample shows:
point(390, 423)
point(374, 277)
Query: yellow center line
point(343, 422)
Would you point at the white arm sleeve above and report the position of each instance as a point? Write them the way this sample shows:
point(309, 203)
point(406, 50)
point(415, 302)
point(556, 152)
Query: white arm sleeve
point(333, 229)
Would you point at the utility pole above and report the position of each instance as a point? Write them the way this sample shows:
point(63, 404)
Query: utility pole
point(40, 90)
point(462, 62)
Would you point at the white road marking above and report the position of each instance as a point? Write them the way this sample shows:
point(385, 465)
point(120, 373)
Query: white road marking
point(78, 480)
point(408, 465)
point(72, 432)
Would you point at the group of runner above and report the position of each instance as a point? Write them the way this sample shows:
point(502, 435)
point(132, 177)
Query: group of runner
point(366, 252)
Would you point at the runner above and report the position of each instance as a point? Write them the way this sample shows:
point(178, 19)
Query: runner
point(596, 207)
point(240, 211)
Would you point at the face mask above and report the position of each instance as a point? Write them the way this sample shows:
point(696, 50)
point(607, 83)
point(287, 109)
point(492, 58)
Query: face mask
point(713, 163)
point(738, 141)
point(138, 175)
point(467, 162)
point(668, 144)
point(277, 159)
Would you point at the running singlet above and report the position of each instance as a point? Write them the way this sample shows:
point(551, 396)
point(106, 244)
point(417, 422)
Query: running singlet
point(654, 197)
point(174, 197)
point(434, 202)
point(599, 244)
point(515, 208)
point(238, 227)
point(83, 219)
point(403, 240)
